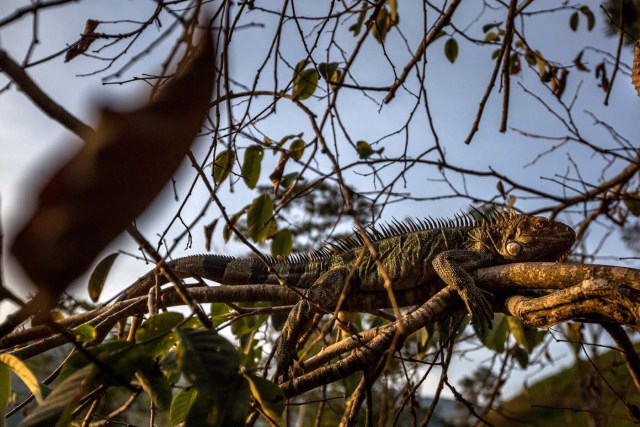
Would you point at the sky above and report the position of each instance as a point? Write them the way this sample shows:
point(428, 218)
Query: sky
point(32, 144)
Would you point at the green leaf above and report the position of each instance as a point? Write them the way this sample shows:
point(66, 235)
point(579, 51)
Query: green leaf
point(102, 352)
point(156, 335)
point(5, 392)
point(381, 26)
point(260, 218)
point(23, 372)
point(524, 335)
point(304, 84)
point(300, 66)
point(85, 333)
point(222, 165)
point(591, 19)
point(491, 37)
point(327, 70)
point(288, 180)
point(181, 405)
point(331, 73)
point(496, 53)
point(358, 25)
point(251, 165)
point(488, 27)
point(365, 151)
point(207, 359)
point(282, 243)
point(99, 276)
point(521, 356)
point(496, 337)
point(632, 202)
point(226, 230)
point(451, 50)
point(57, 408)
point(574, 20)
point(158, 325)
point(296, 149)
point(156, 385)
point(267, 394)
point(219, 313)
point(284, 139)
point(514, 63)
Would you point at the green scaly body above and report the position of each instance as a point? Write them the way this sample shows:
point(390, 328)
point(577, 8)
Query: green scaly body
point(412, 254)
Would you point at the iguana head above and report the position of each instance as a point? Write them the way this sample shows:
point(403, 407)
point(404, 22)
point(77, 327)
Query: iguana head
point(518, 238)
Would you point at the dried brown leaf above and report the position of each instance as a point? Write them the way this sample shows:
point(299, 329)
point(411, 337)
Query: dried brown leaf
point(113, 178)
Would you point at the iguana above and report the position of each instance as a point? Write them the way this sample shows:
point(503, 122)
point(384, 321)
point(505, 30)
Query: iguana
point(414, 254)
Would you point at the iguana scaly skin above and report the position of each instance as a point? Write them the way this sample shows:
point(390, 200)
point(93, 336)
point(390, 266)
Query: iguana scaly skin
point(413, 254)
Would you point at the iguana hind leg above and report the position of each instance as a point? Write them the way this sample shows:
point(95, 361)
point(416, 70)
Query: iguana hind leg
point(452, 267)
point(325, 293)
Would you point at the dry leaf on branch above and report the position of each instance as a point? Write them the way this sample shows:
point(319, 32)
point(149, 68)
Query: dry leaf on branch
point(113, 178)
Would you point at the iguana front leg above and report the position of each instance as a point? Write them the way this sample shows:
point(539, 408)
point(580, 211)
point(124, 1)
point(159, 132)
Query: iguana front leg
point(452, 267)
point(325, 292)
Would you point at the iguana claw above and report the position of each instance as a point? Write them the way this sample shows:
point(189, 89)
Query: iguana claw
point(477, 302)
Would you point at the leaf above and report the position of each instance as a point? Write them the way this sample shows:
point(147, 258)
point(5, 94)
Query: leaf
point(284, 139)
point(222, 165)
point(267, 394)
point(577, 61)
point(591, 19)
point(521, 356)
point(282, 243)
point(451, 50)
point(251, 165)
point(276, 175)
point(574, 20)
point(260, 218)
point(304, 84)
point(488, 27)
point(208, 233)
point(207, 359)
point(181, 405)
point(358, 25)
point(23, 372)
point(99, 276)
point(85, 333)
point(524, 335)
point(514, 64)
point(289, 179)
point(296, 149)
point(115, 175)
point(632, 202)
point(327, 70)
point(393, 11)
point(496, 337)
point(156, 385)
point(102, 352)
point(158, 325)
point(5, 392)
point(380, 26)
point(491, 37)
point(57, 408)
point(365, 151)
point(226, 231)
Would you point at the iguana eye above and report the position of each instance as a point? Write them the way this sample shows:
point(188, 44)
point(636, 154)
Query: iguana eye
point(514, 249)
point(540, 224)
